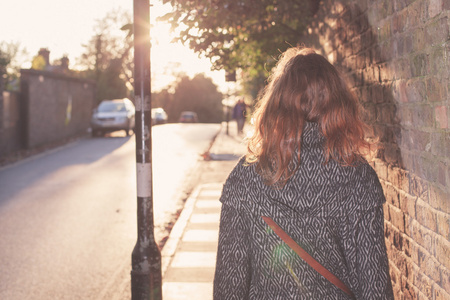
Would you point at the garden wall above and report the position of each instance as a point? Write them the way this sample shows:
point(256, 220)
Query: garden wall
point(56, 106)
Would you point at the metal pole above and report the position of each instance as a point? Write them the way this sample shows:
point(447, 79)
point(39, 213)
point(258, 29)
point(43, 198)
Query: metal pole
point(228, 117)
point(146, 281)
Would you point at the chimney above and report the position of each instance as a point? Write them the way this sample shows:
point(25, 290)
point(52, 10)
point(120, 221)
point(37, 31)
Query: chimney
point(65, 63)
point(45, 53)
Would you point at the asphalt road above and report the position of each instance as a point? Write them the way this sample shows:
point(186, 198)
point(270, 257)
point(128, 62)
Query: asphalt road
point(68, 216)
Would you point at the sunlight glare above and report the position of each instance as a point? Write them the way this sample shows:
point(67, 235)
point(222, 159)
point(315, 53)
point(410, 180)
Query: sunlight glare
point(64, 26)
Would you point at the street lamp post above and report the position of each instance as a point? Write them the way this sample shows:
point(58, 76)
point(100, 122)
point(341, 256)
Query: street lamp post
point(229, 77)
point(146, 281)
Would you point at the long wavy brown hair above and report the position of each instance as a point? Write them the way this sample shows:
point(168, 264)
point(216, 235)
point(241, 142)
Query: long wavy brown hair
point(304, 87)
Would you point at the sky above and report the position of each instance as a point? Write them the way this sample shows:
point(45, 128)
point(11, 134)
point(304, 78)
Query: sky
point(62, 26)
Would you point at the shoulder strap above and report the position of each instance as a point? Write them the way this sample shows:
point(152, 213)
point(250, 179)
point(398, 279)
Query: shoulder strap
point(306, 257)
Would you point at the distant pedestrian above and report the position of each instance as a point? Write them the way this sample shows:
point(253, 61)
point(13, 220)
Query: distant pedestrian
point(239, 114)
point(303, 187)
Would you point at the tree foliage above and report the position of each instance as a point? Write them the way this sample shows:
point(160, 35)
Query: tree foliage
point(38, 63)
point(198, 94)
point(241, 34)
point(11, 59)
point(111, 85)
point(108, 56)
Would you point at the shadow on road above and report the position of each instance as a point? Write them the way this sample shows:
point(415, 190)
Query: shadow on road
point(44, 162)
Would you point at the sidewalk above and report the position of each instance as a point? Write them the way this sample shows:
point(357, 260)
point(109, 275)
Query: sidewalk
point(189, 255)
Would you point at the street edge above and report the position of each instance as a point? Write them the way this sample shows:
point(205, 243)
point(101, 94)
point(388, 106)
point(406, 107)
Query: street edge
point(169, 249)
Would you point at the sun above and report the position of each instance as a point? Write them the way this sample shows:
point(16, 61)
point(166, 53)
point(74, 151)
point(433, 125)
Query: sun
point(169, 59)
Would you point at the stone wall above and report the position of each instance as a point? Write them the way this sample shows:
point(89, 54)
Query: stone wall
point(395, 54)
point(57, 106)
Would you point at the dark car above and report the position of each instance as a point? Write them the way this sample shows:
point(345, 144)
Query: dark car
point(188, 117)
point(112, 115)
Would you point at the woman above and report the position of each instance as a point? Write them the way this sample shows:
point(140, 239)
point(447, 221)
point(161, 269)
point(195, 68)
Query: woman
point(305, 171)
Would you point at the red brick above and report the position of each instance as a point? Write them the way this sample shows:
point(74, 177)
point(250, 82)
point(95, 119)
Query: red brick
point(397, 292)
point(429, 265)
point(439, 199)
point(418, 187)
point(408, 204)
point(443, 221)
point(384, 31)
point(392, 154)
point(424, 284)
point(426, 215)
point(397, 219)
point(388, 234)
point(435, 7)
point(422, 117)
point(414, 257)
point(404, 180)
point(418, 39)
point(386, 212)
point(400, 260)
point(369, 112)
point(402, 69)
point(398, 23)
point(423, 236)
point(419, 65)
point(395, 274)
point(416, 90)
point(356, 45)
point(405, 113)
point(410, 292)
point(368, 39)
point(447, 175)
point(375, 56)
point(429, 168)
point(376, 93)
point(440, 144)
point(411, 266)
point(443, 169)
point(437, 32)
point(408, 225)
point(392, 195)
point(393, 175)
point(440, 293)
point(420, 139)
point(441, 116)
point(445, 281)
point(443, 251)
point(435, 89)
point(446, 5)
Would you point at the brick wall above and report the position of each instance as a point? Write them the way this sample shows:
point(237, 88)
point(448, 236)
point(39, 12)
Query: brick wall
point(395, 54)
point(11, 129)
point(57, 106)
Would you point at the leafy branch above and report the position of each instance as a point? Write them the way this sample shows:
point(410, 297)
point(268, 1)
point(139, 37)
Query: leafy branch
point(240, 34)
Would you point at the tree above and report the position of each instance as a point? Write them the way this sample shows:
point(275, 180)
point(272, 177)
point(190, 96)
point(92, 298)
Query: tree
point(241, 34)
point(198, 94)
point(162, 99)
point(108, 56)
point(11, 57)
point(110, 84)
point(38, 63)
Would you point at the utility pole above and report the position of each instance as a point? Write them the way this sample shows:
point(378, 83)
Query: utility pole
point(146, 281)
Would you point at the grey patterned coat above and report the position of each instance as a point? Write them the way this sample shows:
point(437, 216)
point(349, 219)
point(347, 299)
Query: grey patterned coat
point(333, 212)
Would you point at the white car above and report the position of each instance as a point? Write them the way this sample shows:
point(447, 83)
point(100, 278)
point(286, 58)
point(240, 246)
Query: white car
point(159, 116)
point(112, 115)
